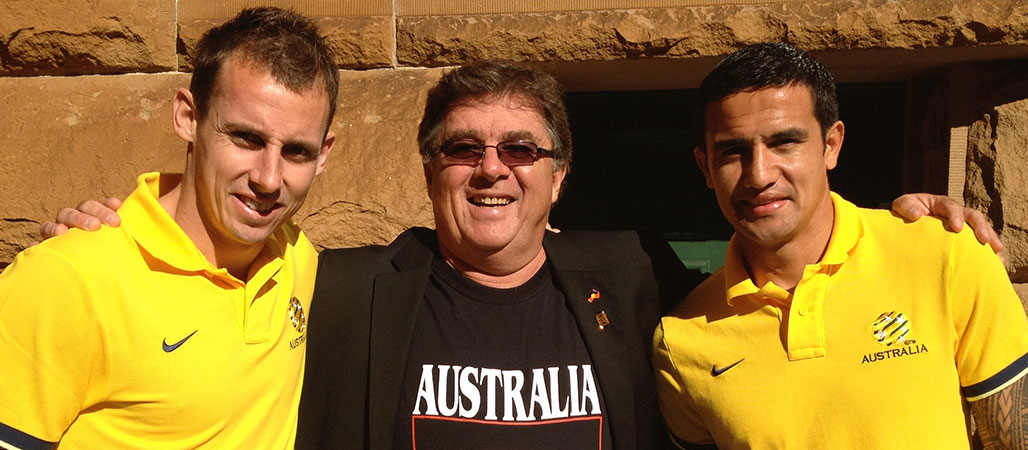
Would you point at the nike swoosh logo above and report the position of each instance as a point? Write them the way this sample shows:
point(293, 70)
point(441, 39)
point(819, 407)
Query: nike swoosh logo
point(170, 348)
point(715, 371)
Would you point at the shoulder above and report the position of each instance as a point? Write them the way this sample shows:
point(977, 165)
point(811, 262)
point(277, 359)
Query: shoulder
point(706, 300)
point(375, 258)
point(78, 250)
point(925, 237)
point(349, 273)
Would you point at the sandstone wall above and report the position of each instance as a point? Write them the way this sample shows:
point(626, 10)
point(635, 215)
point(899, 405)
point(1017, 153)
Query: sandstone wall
point(86, 87)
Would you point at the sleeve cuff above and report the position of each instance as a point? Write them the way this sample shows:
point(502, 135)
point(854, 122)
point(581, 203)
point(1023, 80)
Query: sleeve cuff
point(997, 382)
point(11, 438)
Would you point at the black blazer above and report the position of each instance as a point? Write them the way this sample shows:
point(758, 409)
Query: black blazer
point(366, 300)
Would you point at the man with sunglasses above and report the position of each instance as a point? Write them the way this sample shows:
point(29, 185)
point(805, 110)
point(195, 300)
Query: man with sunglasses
point(489, 331)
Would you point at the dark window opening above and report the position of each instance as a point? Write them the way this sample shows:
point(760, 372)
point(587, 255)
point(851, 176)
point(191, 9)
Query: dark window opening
point(633, 166)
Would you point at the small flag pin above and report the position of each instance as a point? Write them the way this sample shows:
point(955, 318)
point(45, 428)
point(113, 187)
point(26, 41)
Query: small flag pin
point(602, 320)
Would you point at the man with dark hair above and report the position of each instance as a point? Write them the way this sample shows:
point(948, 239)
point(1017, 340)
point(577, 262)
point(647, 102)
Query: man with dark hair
point(829, 326)
point(489, 332)
point(185, 327)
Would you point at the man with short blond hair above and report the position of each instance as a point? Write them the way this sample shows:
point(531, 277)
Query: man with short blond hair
point(185, 327)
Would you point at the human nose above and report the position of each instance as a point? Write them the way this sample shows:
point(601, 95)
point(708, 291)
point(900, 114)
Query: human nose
point(759, 169)
point(490, 166)
point(266, 173)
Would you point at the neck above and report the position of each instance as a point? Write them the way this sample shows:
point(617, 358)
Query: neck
point(783, 263)
point(495, 270)
point(181, 204)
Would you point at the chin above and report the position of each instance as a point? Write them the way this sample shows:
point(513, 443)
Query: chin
point(488, 241)
point(253, 236)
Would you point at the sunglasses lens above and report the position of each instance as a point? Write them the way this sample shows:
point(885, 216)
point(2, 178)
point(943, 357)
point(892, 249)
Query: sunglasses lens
point(463, 152)
point(517, 153)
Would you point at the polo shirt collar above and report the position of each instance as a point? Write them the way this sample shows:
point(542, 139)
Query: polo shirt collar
point(846, 233)
point(159, 235)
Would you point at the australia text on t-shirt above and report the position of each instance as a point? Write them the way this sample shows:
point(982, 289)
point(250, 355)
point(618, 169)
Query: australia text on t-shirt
point(507, 395)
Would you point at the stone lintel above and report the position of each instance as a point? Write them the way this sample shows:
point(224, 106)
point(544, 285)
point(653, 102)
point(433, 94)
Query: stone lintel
point(359, 32)
point(703, 31)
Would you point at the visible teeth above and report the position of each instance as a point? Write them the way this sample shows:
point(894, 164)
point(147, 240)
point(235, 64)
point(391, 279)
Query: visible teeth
point(260, 207)
point(491, 201)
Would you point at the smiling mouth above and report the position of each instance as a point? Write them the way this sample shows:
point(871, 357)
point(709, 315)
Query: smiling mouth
point(262, 208)
point(490, 201)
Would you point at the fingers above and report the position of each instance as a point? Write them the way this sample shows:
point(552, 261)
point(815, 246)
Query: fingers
point(50, 229)
point(106, 212)
point(113, 203)
point(88, 215)
point(908, 207)
point(94, 212)
point(983, 230)
point(951, 213)
point(73, 218)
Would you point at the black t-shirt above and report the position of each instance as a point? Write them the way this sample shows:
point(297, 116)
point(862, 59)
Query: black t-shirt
point(498, 369)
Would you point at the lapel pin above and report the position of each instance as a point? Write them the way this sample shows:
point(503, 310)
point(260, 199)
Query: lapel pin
point(594, 295)
point(602, 320)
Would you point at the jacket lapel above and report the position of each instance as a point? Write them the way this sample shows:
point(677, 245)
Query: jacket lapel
point(577, 279)
point(395, 302)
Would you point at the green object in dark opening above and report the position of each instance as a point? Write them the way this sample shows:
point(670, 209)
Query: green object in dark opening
point(705, 256)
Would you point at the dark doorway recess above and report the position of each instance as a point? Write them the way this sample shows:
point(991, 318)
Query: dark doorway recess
point(634, 169)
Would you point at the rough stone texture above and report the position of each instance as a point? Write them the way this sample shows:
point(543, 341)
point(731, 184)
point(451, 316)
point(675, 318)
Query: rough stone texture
point(359, 42)
point(374, 187)
point(65, 37)
point(89, 137)
point(685, 32)
point(997, 157)
point(73, 138)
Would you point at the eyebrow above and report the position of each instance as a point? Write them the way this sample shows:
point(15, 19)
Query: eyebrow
point(512, 135)
point(791, 133)
point(730, 143)
point(235, 127)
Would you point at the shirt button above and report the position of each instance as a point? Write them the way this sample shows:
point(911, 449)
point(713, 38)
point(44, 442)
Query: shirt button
point(804, 311)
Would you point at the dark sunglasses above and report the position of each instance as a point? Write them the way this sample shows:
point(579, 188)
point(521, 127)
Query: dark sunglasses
point(511, 153)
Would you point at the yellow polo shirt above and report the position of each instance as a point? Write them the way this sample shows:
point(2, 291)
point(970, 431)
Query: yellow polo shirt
point(878, 347)
point(129, 338)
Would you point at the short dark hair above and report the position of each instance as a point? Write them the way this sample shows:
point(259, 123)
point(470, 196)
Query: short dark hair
point(494, 78)
point(770, 65)
point(285, 44)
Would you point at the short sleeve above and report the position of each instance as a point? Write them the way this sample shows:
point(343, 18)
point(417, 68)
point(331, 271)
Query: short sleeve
point(989, 319)
point(675, 405)
point(49, 343)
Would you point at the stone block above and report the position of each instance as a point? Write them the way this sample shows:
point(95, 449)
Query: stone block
point(65, 37)
point(373, 187)
point(360, 33)
point(698, 31)
point(68, 139)
point(997, 157)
